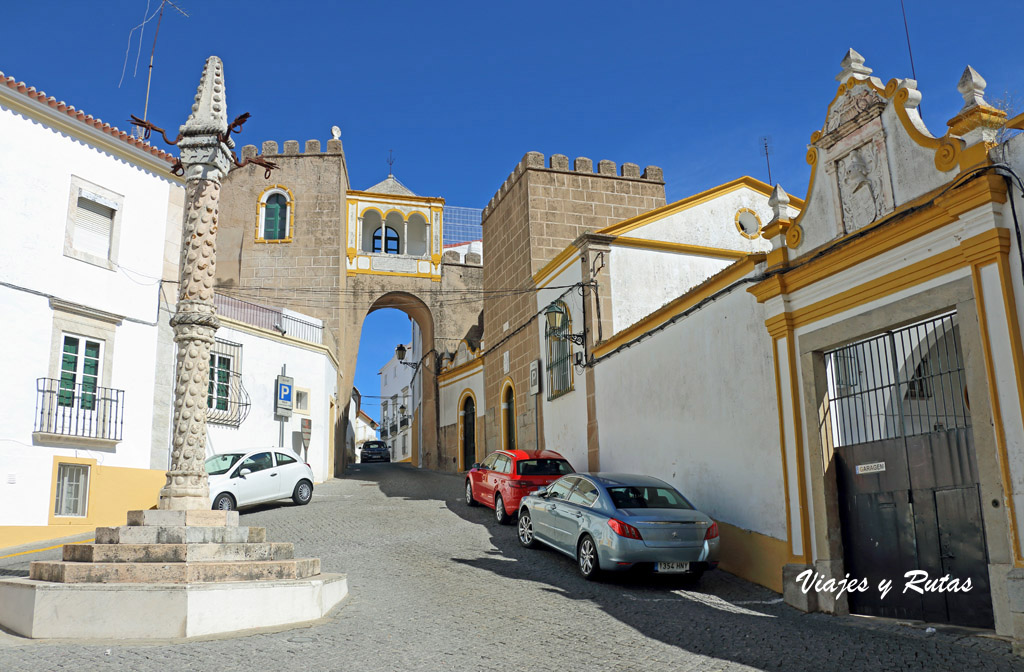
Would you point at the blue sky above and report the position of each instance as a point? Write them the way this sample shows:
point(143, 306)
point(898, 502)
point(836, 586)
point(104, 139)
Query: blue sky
point(461, 90)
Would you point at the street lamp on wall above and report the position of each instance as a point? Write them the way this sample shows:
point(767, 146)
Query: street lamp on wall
point(555, 316)
point(400, 353)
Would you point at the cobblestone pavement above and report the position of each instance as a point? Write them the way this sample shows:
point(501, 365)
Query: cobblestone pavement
point(435, 585)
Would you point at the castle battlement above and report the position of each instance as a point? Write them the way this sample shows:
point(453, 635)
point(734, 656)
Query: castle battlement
point(559, 163)
point(292, 148)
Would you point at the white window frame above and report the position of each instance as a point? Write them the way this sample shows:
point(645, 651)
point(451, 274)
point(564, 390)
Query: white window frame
point(213, 397)
point(81, 498)
point(83, 189)
point(80, 365)
point(296, 407)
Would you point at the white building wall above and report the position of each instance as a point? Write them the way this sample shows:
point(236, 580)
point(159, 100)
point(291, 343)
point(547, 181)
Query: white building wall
point(452, 391)
point(262, 358)
point(396, 390)
point(712, 223)
point(675, 405)
point(645, 280)
point(35, 200)
point(565, 417)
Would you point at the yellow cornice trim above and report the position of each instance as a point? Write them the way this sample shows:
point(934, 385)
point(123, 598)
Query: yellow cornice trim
point(370, 271)
point(986, 247)
point(454, 374)
point(275, 336)
point(691, 201)
point(710, 286)
point(394, 197)
point(555, 264)
point(866, 244)
point(1016, 123)
point(681, 248)
point(780, 325)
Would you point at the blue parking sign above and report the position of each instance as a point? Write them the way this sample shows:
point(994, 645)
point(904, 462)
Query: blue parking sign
point(283, 399)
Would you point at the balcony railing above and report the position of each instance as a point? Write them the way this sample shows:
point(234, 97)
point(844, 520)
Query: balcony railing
point(82, 410)
point(404, 422)
point(273, 319)
point(383, 432)
point(394, 428)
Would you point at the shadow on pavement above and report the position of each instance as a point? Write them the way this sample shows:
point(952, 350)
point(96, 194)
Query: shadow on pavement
point(722, 617)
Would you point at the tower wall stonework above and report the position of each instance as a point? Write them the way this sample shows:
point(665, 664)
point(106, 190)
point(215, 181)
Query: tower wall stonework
point(538, 212)
point(308, 273)
point(300, 274)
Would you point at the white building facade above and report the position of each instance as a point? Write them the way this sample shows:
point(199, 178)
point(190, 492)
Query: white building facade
point(94, 218)
point(397, 404)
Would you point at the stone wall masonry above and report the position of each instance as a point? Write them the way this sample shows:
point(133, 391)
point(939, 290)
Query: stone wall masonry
point(536, 214)
point(560, 163)
point(276, 273)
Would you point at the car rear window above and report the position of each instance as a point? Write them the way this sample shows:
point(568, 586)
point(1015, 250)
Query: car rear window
point(543, 467)
point(645, 497)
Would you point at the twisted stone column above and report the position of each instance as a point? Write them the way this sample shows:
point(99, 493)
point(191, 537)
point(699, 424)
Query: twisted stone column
point(206, 160)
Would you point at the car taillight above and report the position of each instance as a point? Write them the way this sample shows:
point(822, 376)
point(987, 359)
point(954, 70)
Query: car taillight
point(624, 529)
point(712, 532)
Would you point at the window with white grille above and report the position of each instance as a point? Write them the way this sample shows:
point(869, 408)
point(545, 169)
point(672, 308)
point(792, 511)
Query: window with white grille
point(72, 496)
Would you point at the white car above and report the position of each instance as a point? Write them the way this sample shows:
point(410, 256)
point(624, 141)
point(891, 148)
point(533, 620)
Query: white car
point(260, 475)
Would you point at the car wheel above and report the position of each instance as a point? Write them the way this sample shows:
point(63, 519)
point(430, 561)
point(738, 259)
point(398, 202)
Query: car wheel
point(469, 494)
point(526, 539)
point(224, 502)
point(500, 514)
point(303, 492)
point(586, 558)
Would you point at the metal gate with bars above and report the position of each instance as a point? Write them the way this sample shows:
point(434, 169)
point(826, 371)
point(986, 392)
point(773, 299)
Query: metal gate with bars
point(899, 425)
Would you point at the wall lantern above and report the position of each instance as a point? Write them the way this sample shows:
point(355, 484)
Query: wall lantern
point(400, 352)
point(555, 316)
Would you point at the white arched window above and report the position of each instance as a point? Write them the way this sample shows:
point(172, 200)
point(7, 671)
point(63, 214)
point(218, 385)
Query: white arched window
point(276, 216)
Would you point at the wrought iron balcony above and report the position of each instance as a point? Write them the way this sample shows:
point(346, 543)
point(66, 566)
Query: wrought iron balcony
point(383, 432)
point(394, 428)
point(78, 410)
point(405, 422)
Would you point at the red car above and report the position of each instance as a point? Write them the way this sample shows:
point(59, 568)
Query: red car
point(506, 476)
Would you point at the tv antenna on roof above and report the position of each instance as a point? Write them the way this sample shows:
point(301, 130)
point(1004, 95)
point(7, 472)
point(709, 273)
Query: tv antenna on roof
point(142, 27)
point(766, 148)
point(391, 162)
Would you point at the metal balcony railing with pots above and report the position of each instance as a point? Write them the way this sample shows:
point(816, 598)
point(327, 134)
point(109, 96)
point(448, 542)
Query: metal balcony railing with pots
point(84, 410)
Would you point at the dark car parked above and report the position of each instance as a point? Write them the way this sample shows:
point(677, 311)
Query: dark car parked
point(375, 451)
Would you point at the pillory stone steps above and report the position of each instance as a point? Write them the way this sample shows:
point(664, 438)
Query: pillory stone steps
point(176, 572)
point(174, 547)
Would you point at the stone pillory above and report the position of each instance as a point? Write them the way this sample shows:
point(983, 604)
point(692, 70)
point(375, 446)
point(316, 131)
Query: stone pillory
point(206, 157)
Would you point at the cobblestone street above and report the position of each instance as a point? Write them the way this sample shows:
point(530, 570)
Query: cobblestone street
point(435, 585)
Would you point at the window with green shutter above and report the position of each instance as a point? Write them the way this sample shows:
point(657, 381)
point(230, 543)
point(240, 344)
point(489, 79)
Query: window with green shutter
point(219, 393)
point(275, 218)
point(79, 372)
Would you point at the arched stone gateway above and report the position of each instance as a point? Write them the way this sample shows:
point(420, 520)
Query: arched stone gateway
point(348, 253)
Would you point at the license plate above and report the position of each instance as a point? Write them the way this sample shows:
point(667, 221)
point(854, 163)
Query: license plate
point(672, 567)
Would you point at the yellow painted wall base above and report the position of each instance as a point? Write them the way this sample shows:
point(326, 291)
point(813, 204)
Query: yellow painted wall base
point(753, 556)
point(408, 459)
point(113, 492)
point(19, 535)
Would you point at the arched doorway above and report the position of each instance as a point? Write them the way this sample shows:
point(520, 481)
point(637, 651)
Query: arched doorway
point(468, 413)
point(508, 417)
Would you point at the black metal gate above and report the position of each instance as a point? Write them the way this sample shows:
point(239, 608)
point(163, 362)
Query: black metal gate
point(900, 428)
point(468, 433)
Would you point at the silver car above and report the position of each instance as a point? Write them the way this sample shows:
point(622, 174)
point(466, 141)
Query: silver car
point(615, 522)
